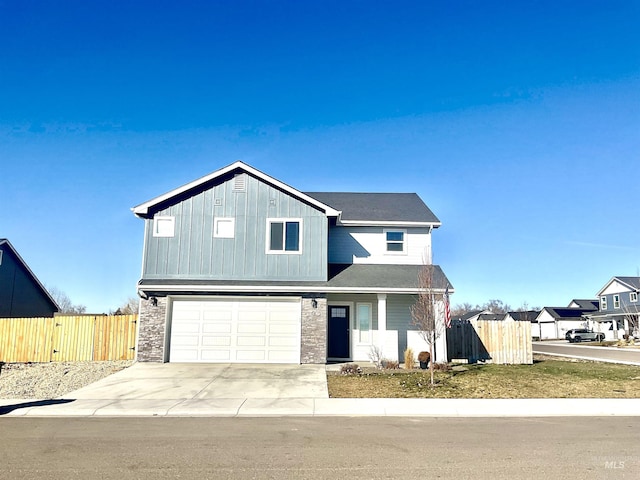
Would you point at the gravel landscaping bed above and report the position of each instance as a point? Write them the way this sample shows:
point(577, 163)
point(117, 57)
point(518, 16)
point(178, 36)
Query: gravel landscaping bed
point(52, 380)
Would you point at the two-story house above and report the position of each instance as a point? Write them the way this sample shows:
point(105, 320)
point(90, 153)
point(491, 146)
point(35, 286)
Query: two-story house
point(241, 267)
point(619, 309)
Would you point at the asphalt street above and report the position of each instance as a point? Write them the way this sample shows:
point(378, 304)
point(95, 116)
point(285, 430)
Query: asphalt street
point(589, 351)
point(319, 448)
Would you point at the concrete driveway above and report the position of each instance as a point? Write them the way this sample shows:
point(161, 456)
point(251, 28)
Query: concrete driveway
point(189, 381)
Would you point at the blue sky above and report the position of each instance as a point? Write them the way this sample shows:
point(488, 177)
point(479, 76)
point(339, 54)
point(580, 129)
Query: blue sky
point(517, 122)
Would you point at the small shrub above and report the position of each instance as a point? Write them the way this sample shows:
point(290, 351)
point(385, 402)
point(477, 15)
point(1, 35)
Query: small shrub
point(350, 369)
point(442, 367)
point(375, 355)
point(409, 359)
point(389, 364)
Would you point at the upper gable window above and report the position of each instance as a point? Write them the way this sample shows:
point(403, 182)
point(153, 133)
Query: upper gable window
point(164, 226)
point(396, 241)
point(283, 235)
point(224, 227)
point(603, 303)
point(1, 256)
point(616, 301)
point(633, 296)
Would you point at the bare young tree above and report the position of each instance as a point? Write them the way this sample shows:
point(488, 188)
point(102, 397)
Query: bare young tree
point(424, 312)
point(130, 307)
point(64, 302)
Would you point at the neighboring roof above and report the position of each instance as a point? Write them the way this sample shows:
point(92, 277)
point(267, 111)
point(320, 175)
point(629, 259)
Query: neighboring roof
point(379, 208)
point(358, 278)
point(6, 244)
point(631, 282)
point(585, 304)
point(560, 313)
point(143, 210)
point(528, 315)
point(471, 314)
point(629, 309)
point(491, 316)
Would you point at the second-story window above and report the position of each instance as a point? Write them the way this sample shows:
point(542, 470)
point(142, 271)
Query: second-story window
point(616, 301)
point(283, 235)
point(396, 241)
point(603, 303)
point(633, 296)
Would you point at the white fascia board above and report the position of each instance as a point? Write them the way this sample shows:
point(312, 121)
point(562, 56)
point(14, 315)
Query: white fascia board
point(376, 223)
point(143, 209)
point(281, 288)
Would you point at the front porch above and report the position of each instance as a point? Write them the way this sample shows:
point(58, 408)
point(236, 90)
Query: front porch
point(361, 327)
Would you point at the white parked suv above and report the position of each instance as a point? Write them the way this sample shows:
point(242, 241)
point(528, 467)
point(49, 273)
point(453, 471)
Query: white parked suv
point(582, 334)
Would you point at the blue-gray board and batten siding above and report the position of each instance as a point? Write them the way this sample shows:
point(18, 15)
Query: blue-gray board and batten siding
point(194, 253)
point(20, 294)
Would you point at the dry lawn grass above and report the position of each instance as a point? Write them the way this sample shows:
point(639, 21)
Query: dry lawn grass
point(546, 378)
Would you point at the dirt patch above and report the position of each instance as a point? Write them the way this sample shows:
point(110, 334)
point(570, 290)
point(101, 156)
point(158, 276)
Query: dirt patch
point(52, 380)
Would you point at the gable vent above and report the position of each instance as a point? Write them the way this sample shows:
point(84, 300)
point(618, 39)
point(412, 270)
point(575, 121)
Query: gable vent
point(239, 183)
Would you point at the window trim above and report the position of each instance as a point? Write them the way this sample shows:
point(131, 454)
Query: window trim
point(616, 301)
point(157, 233)
point(216, 220)
point(403, 242)
point(356, 316)
point(633, 297)
point(284, 221)
point(603, 303)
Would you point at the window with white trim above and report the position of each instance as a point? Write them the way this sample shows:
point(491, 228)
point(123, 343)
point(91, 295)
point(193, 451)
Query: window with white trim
point(1, 256)
point(284, 235)
point(603, 303)
point(633, 296)
point(164, 226)
point(363, 322)
point(396, 241)
point(616, 301)
point(224, 227)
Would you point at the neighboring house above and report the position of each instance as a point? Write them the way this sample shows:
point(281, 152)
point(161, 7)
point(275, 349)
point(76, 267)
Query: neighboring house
point(619, 310)
point(585, 304)
point(554, 322)
point(21, 293)
point(240, 267)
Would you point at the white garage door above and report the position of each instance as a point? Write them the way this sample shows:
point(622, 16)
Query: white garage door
point(237, 330)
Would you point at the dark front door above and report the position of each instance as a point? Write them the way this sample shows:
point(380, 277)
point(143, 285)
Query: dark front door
point(338, 332)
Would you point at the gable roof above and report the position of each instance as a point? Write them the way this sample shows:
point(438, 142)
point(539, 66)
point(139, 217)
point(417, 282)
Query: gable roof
point(585, 304)
point(566, 312)
point(7, 245)
point(379, 208)
point(144, 210)
point(632, 283)
point(528, 315)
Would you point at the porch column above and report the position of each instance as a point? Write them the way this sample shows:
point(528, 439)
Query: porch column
point(382, 322)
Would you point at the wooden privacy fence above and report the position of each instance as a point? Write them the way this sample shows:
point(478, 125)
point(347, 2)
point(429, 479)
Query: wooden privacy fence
point(495, 341)
point(68, 338)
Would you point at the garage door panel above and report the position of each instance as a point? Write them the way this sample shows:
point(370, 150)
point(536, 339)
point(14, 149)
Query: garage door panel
point(217, 341)
point(236, 330)
point(217, 328)
point(214, 356)
point(250, 356)
point(244, 341)
point(282, 341)
point(251, 328)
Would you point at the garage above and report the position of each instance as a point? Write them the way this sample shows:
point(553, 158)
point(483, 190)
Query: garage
point(235, 330)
